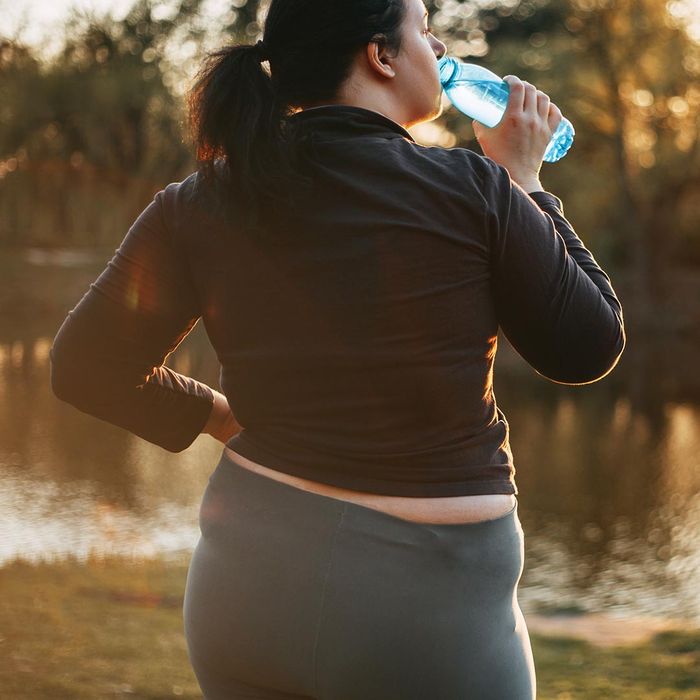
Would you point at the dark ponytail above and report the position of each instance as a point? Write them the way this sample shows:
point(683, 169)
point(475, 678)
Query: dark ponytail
point(238, 109)
point(236, 118)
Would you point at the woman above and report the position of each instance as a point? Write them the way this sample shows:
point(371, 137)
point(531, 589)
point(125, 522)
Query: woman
point(359, 536)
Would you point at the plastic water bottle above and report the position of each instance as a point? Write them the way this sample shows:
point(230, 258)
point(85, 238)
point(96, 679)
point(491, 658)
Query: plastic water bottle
point(482, 95)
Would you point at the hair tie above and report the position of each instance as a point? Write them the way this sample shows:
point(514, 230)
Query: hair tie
point(261, 48)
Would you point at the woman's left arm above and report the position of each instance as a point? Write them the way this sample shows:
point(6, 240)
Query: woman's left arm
point(107, 358)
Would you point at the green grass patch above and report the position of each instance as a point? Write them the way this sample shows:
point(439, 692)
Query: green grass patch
point(98, 629)
point(666, 668)
point(113, 628)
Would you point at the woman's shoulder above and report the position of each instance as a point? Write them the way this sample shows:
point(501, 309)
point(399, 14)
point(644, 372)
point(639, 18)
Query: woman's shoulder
point(463, 165)
point(193, 204)
point(196, 191)
point(460, 160)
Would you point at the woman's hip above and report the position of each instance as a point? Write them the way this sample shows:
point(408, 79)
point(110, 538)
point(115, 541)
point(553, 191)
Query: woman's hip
point(329, 599)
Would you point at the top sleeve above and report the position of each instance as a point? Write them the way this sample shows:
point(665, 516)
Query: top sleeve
point(554, 303)
point(108, 356)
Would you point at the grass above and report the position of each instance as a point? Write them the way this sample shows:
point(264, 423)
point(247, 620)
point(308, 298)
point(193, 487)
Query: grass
point(110, 628)
point(101, 629)
point(667, 668)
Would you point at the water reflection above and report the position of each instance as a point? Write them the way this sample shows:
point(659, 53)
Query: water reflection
point(75, 485)
point(611, 499)
point(608, 477)
point(51, 519)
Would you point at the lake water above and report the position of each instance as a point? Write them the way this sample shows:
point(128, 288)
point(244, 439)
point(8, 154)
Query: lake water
point(609, 473)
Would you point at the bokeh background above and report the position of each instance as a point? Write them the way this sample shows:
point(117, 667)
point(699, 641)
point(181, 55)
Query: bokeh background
point(92, 124)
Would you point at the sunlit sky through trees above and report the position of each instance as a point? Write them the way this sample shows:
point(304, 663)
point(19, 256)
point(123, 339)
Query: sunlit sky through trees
point(36, 21)
point(39, 18)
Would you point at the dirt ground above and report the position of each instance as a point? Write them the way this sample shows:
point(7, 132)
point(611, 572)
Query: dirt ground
point(604, 629)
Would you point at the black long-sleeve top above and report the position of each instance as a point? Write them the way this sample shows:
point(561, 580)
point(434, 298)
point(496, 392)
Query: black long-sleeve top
point(357, 343)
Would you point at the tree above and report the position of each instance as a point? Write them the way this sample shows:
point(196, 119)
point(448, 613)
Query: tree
point(98, 128)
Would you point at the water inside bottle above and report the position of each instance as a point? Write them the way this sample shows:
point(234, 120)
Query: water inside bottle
point(483, 100)
point(562, 138)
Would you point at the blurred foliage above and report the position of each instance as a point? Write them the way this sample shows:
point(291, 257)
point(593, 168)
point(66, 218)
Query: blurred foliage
point(625, 72)
point(99, 127)
point(94, 130)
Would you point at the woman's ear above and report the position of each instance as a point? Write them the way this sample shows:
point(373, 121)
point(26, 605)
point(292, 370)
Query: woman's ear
point(379, 59)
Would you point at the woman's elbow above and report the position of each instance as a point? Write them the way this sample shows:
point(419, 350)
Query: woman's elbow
point(77, 360)
point(62, 374)
point(72, 375)
point(589, 363)
point(61, 361)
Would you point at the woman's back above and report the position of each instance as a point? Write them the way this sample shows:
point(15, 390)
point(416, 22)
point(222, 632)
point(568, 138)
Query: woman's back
point(357, 337)
point(356, 340)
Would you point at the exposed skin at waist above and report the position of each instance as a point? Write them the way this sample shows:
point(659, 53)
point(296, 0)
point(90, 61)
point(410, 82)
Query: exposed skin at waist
point(443, 510)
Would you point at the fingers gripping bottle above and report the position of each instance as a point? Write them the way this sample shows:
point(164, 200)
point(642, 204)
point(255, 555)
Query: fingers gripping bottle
point(482, 95)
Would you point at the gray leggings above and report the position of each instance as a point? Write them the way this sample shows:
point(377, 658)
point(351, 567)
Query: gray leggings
point(292, 594)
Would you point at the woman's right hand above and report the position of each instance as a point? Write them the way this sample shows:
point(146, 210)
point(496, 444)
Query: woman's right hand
point(518, 142)
point(221, 424)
